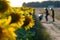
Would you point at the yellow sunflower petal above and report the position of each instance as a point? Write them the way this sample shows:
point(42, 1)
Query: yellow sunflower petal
point(17, 20)
point(9, 33)
point(8, 20)
point(29, 22)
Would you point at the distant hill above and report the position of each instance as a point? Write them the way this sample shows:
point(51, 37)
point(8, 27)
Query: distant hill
point(43, 4)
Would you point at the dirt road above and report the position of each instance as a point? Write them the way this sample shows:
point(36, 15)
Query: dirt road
point(51, 27)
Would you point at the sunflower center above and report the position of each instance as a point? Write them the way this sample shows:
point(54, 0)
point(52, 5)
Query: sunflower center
point(15, 18)
point(27, 21)
point(3, 6)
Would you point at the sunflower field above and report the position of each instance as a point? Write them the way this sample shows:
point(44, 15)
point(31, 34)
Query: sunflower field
point(18, 23)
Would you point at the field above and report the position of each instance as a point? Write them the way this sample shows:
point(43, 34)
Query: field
point(56, 10)
point(53, 28)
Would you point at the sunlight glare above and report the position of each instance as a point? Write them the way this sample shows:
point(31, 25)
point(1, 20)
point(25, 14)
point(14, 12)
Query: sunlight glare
point(18, 3)
point(15, 3)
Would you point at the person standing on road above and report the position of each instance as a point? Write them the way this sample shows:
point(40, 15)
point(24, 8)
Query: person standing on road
point(53, 14)
point(46, 11)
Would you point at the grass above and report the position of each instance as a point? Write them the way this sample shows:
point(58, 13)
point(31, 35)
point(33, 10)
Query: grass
point(57, 16)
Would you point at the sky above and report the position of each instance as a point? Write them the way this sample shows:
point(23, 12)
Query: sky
point(18, 3)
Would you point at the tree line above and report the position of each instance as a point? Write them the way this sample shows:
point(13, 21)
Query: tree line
point(42, 4)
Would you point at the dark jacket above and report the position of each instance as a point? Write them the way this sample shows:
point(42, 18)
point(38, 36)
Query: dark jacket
point(47, 12)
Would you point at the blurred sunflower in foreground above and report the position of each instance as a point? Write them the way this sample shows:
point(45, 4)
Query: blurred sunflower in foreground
point(5, 21)
point(29, 22)
point(13, 19)
point(7, 33)
point(16, 20)
point(4, 6)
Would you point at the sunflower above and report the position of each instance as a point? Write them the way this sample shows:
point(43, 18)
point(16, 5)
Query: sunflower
point(16, 19)
point(32, 10)
point(7, 34)
point(26, 13)
point(4, 6)
point(6, 21)
point(29, 11)
point(11, 33)
point(29, 22)
point(6, 31)
point(17, 9)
